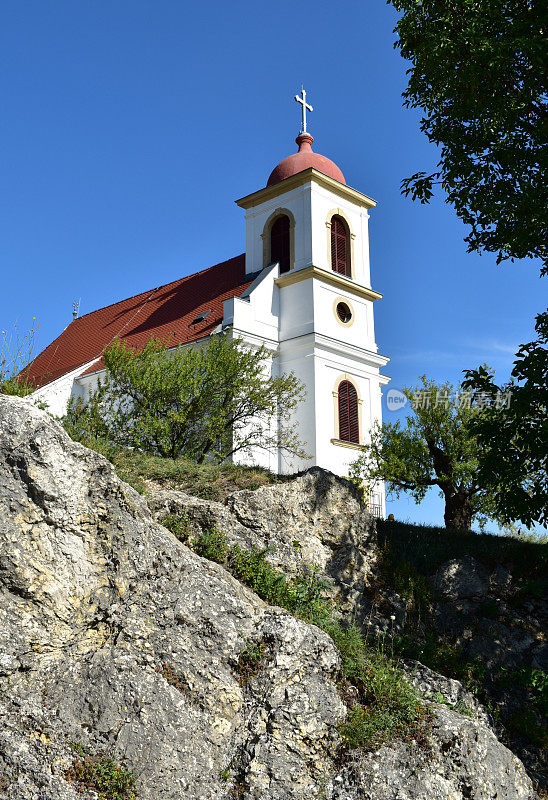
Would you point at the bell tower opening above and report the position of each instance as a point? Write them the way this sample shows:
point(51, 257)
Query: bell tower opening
point(340, 246)
point(280, 243)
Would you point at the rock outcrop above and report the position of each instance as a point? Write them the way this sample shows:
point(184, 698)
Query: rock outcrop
point(117, 638)
point(316, 520)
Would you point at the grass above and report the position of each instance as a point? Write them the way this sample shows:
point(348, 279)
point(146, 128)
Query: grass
point(426, 548)
point(383, 704)
point(386, 706)
point(531, 721)
point(208, 481)
point(102, 774)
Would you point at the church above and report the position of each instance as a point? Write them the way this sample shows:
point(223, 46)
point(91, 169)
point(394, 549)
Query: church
point(302, 289)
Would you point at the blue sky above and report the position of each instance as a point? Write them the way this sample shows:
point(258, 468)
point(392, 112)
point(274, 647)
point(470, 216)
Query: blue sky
point(129, 129)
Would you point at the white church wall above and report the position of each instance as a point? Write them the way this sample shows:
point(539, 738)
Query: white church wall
point(57, 393)
point(358, 331)
point(329, 373)
point(330, 451)
point(311, 206)
point(297, 355)
point(257, 311)
point(296, 310)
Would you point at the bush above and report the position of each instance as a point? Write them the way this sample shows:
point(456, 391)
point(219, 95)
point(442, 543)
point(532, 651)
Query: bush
point(203, 403)
point(212, 545)
point(103, 775)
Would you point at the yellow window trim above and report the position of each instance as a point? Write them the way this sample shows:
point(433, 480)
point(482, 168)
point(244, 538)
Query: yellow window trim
point(351, 445)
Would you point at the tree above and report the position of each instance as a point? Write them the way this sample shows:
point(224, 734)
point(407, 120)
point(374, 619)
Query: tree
point(199, 402)
point(435, 447)
point(513, 439)
point(479, 74)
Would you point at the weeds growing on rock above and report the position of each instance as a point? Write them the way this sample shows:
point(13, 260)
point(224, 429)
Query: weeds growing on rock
point(304, 595)
point(383, 704)
point(251, 660)
point(178, 524)
point(174, 679)
point(103, 775)
point(211, 544)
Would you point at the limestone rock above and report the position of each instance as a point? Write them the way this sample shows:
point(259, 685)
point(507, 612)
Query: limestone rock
point(462, 579)
point(96, 600)
point(116, 637)
point(317, 519)
point(433, 686)
point(405, 771)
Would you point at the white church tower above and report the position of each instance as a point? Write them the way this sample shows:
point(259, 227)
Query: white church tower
point(312, 303)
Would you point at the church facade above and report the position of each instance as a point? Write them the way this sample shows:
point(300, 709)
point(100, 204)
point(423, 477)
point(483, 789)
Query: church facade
point(302, 289)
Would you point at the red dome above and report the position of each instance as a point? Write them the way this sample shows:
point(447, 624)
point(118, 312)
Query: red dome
point(304, 159)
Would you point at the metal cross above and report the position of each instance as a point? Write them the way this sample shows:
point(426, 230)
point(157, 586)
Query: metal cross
point(305, 107)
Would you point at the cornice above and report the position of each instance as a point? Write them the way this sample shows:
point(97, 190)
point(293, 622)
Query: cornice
point(327, 276)
point(301, 178)
point(327, 344)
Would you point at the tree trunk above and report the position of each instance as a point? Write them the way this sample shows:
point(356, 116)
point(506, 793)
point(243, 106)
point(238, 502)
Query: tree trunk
point(458, 511)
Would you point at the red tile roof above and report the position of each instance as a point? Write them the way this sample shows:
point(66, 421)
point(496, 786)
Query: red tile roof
point(167, 311)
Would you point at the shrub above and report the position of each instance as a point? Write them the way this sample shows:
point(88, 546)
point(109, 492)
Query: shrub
point(211, 544)
point(204, 403)
point(103, 775)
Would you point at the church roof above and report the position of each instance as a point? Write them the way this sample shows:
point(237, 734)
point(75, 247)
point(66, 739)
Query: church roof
point(178, 310)
point(304, 159)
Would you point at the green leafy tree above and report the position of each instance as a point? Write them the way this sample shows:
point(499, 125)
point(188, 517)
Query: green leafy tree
point(513, 438)
point(206, 402)
point(479, 74)
point(434, 448)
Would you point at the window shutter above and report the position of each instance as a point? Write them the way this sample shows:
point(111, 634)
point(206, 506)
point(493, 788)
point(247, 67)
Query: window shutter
point(279, 243)
point(349, 429)
point(340, 247)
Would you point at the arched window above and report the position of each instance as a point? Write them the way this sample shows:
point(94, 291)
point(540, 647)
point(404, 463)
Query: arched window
point(279, 243)
point(349, 428)
point(340, 246)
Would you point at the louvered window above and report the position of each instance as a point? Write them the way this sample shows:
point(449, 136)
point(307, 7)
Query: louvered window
point(349, 429)
point(279, 243)
point(340, 246)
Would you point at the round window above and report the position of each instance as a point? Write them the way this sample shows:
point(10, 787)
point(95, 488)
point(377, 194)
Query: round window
point(343, 312)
